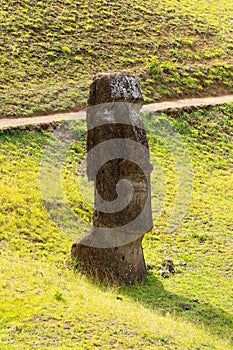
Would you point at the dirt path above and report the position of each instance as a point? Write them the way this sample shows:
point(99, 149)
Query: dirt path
point(153, 107)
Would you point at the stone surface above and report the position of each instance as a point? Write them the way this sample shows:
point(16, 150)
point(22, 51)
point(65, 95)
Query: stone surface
point(112, 250)
point(123, 265)
point(112, 87)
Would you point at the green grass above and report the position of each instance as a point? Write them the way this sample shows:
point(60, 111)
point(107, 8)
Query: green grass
point(46, 304)
point(50, 50)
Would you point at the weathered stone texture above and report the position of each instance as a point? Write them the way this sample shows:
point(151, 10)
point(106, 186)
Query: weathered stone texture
point(120, 259)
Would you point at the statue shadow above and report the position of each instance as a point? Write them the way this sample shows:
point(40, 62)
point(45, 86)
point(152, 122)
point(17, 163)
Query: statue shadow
point(153, 296)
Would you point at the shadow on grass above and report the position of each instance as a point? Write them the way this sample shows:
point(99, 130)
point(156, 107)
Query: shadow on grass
point(152, 295)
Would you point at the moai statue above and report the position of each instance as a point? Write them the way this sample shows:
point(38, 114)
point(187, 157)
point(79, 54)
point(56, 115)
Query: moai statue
point(118, 162)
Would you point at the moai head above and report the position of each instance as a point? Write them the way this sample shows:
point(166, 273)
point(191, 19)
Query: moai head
point(115, 87)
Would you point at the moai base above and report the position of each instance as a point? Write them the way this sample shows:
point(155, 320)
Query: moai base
point(113, 114)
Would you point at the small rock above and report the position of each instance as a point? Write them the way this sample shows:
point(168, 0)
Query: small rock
point(196, 301)
point(16, 328)
point(171, 296)
point(186, 306)
point(169, 265)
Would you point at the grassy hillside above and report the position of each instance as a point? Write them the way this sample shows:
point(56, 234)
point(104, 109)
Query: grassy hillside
point(45, 304)
point(50, 50)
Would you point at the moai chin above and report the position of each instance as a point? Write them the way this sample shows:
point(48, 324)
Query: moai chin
point(118, 162)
